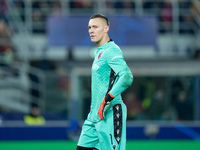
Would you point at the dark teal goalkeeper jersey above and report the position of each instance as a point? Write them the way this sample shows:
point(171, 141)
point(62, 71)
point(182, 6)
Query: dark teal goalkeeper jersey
point(110, 73)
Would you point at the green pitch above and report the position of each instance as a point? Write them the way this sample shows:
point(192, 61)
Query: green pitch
point(131, 145)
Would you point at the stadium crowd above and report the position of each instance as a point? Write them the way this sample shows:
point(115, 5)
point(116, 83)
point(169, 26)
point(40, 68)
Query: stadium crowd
point(41, 9)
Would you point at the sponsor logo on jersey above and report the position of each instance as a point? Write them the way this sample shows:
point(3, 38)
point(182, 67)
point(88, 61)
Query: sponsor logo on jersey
point(95, 67)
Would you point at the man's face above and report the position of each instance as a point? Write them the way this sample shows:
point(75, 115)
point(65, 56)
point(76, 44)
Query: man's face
point(97, 29)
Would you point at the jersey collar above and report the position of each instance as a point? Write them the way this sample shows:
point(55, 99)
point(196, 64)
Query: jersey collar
point(105, 45)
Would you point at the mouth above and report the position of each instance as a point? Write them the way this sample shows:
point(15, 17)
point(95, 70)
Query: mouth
point(92, 36)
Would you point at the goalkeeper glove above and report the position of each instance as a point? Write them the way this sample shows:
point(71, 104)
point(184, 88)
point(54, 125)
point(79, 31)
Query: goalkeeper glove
point(105, 104)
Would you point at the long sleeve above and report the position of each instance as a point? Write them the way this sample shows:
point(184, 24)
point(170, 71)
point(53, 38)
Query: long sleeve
point(125, 79)
point(124, 75)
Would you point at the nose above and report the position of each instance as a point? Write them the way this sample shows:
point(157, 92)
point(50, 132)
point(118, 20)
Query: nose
point(91, 31)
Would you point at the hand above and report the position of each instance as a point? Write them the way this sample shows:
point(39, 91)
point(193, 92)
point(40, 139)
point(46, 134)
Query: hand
point(105, 105)
point(103, 108)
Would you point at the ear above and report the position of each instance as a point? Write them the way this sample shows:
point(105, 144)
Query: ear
point(106, 29)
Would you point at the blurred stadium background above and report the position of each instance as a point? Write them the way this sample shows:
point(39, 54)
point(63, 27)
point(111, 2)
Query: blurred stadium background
point(46, 56)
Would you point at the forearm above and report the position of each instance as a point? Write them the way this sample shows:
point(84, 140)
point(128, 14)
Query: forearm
point(124, 81)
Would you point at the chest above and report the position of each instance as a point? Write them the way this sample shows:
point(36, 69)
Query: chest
point(100, 65)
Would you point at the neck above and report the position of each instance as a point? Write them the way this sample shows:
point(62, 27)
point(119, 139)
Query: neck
point(104, 40)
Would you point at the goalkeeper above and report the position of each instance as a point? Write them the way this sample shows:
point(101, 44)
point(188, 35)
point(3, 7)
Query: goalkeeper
point(105, 126)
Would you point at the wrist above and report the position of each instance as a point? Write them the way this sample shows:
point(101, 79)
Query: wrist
point(109, 97)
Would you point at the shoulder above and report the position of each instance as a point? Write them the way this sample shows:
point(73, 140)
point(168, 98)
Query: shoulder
point(113, 45)
point(113, 48)
point(113, 53)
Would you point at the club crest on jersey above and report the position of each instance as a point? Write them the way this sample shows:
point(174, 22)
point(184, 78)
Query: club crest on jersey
point(99, 56)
